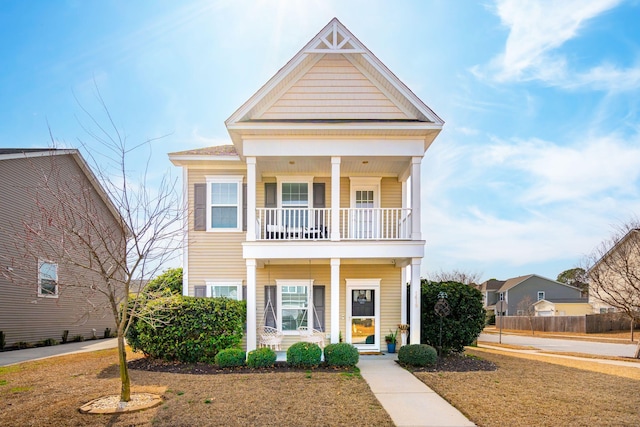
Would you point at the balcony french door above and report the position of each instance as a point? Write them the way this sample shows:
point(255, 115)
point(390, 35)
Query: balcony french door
point(365, 217)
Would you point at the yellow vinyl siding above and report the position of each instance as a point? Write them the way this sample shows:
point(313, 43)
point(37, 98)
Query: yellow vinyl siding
point(213, 256)
point(333, 89)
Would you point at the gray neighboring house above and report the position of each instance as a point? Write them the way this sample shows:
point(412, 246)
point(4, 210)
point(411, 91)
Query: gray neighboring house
point(537, 288)
point(38, 308)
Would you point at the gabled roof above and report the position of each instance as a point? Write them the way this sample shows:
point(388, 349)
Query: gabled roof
point(510, 283)
point(633, 232)
point(222, 153)
point(393, 106)
point(491, 285)
point(26, 153)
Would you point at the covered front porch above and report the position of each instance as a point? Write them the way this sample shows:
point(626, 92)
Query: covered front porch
point(346, 300)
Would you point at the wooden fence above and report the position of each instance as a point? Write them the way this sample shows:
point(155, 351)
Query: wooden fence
point(590, 323)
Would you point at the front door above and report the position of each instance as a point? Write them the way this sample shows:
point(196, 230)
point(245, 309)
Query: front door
point(363, 314)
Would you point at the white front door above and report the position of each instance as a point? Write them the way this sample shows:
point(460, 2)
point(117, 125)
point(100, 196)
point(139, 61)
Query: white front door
point(363, 314)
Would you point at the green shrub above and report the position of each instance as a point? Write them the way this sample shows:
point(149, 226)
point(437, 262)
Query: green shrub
point(261, 358)
point(77, 338)
point(304, 355)
point(3, 341)
point(230, 358)
point(170, 280)
point(65, 336)
point(20, 345)
point(491, 318)
point(464, 322)
point(49, 342)
point(341, 354)
point(107, 333)
point(192, 329)
point(417, 355)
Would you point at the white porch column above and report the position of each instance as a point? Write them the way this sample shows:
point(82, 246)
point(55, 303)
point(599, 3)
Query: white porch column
point(251, 305)
point(251, 199)
point(416, 233)
point(403, 295)
point(335, 199)
point(335, 300)
point(414, 322)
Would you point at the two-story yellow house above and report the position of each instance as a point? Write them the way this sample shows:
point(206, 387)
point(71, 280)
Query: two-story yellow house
point(313, 213)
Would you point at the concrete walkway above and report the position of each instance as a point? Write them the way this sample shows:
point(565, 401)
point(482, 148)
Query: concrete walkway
point(19, 356)
point(408, 400)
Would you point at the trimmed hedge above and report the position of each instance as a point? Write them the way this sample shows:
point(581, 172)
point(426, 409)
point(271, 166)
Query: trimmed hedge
point(417, 355)
point(341, 354)
point(230, 358)
point(261, 358)
point(192, 329)
point(304, 355)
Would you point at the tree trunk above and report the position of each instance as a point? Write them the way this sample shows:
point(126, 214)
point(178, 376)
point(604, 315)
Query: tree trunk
point(637, 354)
point(125, 389)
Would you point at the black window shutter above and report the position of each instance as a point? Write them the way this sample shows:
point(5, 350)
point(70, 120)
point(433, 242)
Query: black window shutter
point(270, 195)
point(318, 195)
point(199, 207)
point(319, 307)
point(244, 207)
point(270, 294)
point(200, 291)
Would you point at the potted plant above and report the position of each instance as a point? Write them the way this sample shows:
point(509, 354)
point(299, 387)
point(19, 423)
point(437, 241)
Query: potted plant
point(404, 331)
point(390, 339)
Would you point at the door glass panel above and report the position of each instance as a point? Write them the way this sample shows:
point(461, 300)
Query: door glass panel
point(363, 320)
point(363, 331)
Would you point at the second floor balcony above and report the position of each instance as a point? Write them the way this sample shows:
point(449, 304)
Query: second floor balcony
point(288, 224)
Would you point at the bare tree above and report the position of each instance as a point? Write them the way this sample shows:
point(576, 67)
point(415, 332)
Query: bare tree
point(455, 275)
point(110, 241)
point(614, 272)
point(526, 308)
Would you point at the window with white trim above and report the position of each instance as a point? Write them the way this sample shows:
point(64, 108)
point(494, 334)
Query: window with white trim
point(47, 279)
point(231, 290)
point(294, 300)
point(224, 203)
point(295, 197)
point(501, 296)
point(540, 295)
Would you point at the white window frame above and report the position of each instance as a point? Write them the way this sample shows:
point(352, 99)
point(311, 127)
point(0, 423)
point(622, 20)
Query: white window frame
point(213, 284)
point(543, 295)
point(40, 293)
point(295, 282)
point(501, 296)
point(225, 179)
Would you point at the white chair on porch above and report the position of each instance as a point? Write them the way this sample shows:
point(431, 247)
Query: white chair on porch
point(270, 337)
point(311, 335)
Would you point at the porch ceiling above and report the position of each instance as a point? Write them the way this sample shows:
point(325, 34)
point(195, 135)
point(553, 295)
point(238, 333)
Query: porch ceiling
point(321, 166)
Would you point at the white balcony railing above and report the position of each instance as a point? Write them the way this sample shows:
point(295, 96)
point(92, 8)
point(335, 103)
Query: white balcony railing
point(375, 224)
point(315, 224)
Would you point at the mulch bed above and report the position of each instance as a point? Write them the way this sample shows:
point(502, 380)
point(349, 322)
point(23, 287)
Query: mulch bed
point(158, 365)
point(458, 363)
point(451, 363)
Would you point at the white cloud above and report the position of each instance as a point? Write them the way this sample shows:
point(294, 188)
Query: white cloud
point(511, 205)
point(537, 29)
point(563, 173)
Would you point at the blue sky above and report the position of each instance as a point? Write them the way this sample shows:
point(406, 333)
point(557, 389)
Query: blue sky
point(539, 157)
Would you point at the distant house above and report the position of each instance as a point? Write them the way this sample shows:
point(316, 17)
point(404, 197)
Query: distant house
point(562, 308)
point(40, 305)
point(532, 288)
point(620, 266)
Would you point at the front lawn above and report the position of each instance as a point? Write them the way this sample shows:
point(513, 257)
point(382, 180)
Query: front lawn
point(49, 392)
point(527, 391)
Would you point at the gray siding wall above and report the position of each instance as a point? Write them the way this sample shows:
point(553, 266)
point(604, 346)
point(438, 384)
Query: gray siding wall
point(24, 316)
point(532, 285)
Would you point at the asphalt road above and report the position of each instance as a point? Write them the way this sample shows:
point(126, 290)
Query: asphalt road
point(555, 344)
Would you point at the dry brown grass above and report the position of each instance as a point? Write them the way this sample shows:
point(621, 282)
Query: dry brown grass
point(608, 337)
point(527, 390)
point(49, 393)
